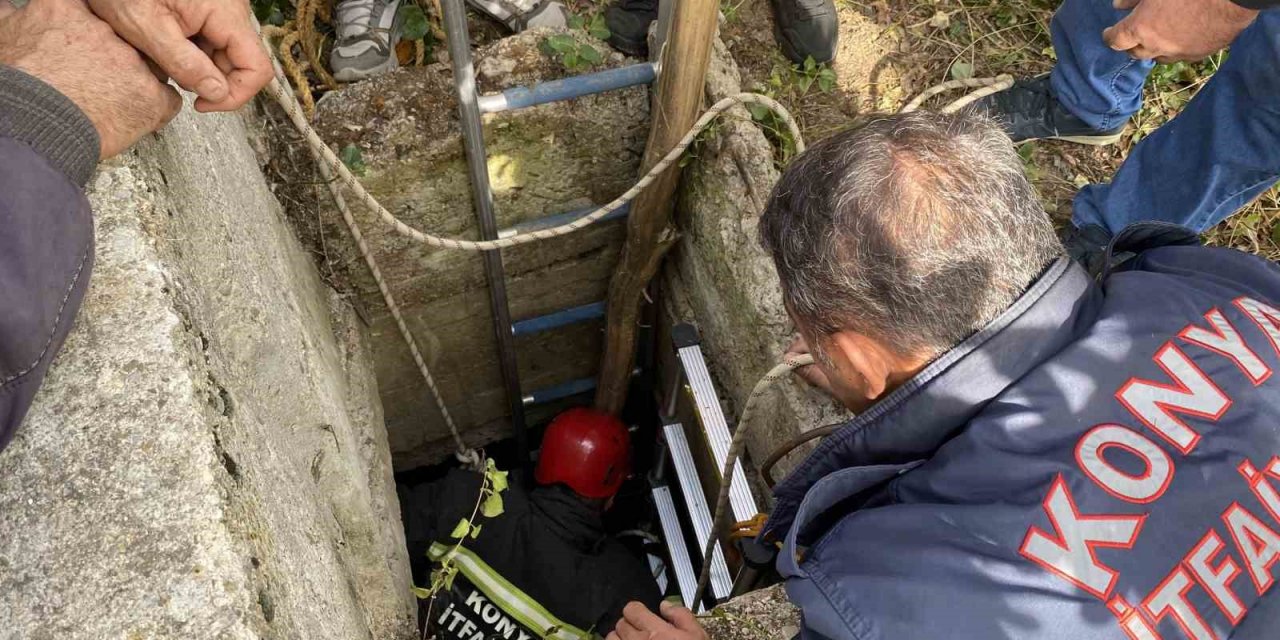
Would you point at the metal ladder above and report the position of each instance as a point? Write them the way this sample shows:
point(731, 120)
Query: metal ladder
point(471, 106)
point(694, 382)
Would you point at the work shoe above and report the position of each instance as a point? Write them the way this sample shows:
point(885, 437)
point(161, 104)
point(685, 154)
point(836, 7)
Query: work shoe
point(519, 15)
point(806, 28)
point(1028, 111)
point(368, 31)
point(628, 23)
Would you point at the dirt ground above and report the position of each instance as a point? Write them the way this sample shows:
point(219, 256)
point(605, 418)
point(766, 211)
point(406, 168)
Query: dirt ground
point(891, 49)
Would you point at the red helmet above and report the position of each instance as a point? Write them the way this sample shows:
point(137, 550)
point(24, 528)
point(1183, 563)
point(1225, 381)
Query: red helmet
point(587, 450)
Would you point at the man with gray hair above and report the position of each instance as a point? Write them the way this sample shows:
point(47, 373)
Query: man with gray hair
point(1038, 453)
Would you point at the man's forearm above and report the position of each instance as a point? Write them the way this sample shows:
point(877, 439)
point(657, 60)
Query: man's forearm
point(48, 149)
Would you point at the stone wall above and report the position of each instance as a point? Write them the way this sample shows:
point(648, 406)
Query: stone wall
point(207, 458)
point(544, 160)
point(720, 279)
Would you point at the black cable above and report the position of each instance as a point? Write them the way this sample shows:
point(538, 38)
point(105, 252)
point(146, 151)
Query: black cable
point(766, 470)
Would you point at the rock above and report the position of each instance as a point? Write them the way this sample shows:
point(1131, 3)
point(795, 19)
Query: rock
point(207, 457)
point(759, 615)
point(545, 160)
point(720, 279)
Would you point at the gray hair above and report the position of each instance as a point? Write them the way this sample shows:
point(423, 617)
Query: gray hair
point(917, 229)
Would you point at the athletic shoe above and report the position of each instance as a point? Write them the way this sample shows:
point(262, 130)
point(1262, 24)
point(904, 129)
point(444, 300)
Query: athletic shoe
point(367, 35)
point(806, 28)
point(519, 15)
point(1028, 111)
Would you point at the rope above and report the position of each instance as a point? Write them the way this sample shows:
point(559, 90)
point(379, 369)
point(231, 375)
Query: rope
point(465, 455)
point(984, 86)
point(284, 98)
point(778, 372)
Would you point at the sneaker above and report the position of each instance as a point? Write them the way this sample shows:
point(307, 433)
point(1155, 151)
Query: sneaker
point(368, 31)
point(806, 28)
point(1028, 111)
point(628, 23)
point(518, 15)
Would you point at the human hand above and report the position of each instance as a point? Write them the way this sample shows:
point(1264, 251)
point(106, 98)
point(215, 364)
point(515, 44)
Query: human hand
point(209, 47)
point(810, 373)
point(1171, 30)
point(63, 44)
point(639, 623)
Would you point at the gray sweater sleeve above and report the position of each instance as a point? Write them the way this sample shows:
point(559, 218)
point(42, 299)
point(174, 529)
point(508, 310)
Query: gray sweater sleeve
point(48, 150)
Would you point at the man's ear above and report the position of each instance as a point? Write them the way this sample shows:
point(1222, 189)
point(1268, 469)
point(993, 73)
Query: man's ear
point(857, 355)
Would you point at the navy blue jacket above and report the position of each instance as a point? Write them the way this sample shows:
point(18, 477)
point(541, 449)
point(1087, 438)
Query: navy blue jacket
point(48, 149)
point(1099, 462)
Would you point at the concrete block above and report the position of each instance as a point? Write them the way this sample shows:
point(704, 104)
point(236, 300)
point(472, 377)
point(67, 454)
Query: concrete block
point(207, 458)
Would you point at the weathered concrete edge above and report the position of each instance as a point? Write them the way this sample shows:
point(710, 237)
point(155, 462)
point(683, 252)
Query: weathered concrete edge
point(138, 499)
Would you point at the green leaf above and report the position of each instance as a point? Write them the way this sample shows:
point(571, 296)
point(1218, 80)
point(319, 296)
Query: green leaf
point(423, 594)
point(589, 55)
point(826, 80)
point(571, 61)
point(497, 480)
point(414, 21)
point(1025, 151)
point(598, 29)
point(475, 531)
point(461, 530)
point(450, 573)
point(354, 159)
point(1275, 233)
point(962, 71)
point(810, 64)
point(492, 506)
point(576, 22)
point(804, 82)
point(758, 111)
point(562, 43)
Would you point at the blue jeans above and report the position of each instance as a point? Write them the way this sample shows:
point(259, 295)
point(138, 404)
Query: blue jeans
point(1220, 153)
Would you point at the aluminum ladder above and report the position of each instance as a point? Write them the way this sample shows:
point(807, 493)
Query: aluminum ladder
point(694, 383)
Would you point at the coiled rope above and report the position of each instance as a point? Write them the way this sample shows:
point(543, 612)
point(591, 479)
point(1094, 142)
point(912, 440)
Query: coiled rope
point(983, 87)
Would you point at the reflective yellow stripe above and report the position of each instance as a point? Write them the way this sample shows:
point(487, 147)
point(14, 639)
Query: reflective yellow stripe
point(510, 599)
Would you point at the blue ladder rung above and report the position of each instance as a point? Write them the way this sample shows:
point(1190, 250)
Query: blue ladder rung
point(569, 88)
point(559, 318)
point(564, 390)
point(561, 218)
point(559, 391)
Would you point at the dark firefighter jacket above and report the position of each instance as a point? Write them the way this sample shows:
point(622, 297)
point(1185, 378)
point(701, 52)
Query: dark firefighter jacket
point(544, 568)
point(1102, 462)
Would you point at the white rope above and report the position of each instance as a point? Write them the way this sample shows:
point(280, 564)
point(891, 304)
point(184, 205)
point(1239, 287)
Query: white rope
point(778, 372)
point(286, 100)
point(465, 455)
point(984, 86)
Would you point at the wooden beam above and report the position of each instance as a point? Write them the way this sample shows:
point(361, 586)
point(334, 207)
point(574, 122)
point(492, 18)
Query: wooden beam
point(677, 102)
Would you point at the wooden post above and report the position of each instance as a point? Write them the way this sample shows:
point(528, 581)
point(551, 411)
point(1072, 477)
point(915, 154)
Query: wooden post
point(676, 104)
